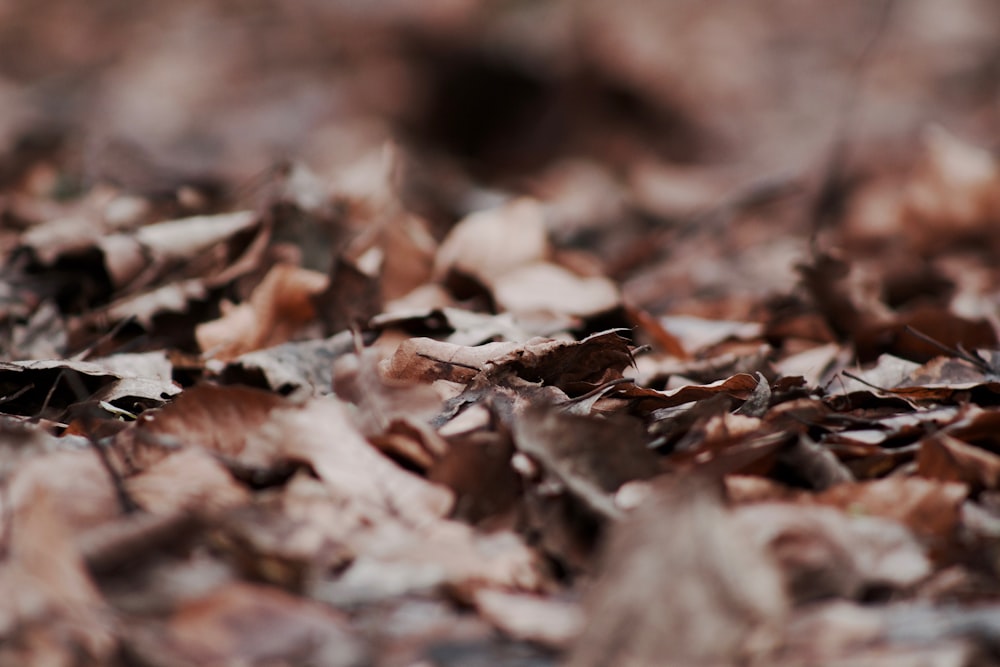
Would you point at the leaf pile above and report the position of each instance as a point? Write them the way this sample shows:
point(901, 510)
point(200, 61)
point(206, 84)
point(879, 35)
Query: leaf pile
point(498, 391)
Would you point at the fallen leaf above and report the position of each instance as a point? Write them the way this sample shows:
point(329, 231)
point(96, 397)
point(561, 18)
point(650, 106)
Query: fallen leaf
point(928, 508)
point(218, 419)
point(353, 470)
point(551, 288)
point(188, 480)
point(532, 618)
point(277, 309)
point(255, 624)
point(488, 244)
point(682, 585)
point(825, 553)
point(52, 608)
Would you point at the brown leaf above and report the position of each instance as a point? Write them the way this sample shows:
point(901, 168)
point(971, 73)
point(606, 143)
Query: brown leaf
point(682, 585)
point(946, 458)
point(353, 470)
point(740, 386)
point(277, 309)
point(351, 298)
point(488, 244)
point(549, 288)
point(952, 196)
point(426, 360)
point(477, 468)
point(591, 457)
point(526, 617)
point(928, 508)
point(824, 553)
point(51, 607)
point(188, 480)
point(254, 624)
point(218, 419)
point(574, 367)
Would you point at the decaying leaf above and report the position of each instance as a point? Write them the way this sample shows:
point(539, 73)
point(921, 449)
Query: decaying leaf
point(279, 307)
point(52, 610)
point(683, 585)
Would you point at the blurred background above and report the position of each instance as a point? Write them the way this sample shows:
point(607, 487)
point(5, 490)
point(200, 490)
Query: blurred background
point(691, 149)
point(503, 90)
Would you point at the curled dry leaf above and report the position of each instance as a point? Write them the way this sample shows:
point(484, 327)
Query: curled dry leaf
point(31, 385)
point(217, 419)
point(427, 360)
point(550, 288)
point(354, 471)
point(739, 386)
point(488, 244)
point(573, 366)
point(277, 309)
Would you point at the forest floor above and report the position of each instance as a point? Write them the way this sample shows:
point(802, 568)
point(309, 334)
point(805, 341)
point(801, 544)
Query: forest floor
point(453, 333)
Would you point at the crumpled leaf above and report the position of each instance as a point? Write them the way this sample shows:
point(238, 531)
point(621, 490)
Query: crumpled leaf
point(218, 419)
point(740, 386)
point(952, 196)
point(353, 470)
point(551, 288)
point(30, 385)
point(277, 309)
point(52, 609)
point(826, 553)
point(254, 624)
point(591, 457)
point(488, 244)
point(683, 585)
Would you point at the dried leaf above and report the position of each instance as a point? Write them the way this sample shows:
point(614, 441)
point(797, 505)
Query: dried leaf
point(278, 308)
point(254, 624)
point(488, 244)
point(683, 585)
point(353, 470)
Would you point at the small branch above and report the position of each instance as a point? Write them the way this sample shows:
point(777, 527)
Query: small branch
point(450, 363)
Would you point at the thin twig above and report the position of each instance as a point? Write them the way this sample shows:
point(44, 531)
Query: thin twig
point(48, 396)
point(109, 335)
point(10, 397)
point(125, 501)
point(958, 353)
point(866, 382)
point(450, 363)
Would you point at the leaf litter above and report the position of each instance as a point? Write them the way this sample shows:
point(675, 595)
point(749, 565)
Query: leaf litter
point(530, 349)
